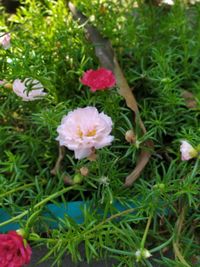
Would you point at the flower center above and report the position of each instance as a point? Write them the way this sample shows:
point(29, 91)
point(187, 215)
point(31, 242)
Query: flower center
point(79, 132)
point(88, 134)
point(91, 133)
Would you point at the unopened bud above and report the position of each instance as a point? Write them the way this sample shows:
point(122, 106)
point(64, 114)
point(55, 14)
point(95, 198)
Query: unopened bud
point(159, 186)
point(146, 254)
point(78, 178)
point(130, 136)
point(142, 254)
point(8, 85)
point(84, 171)
point(21, 232)
point(67, 180)
point(92, 156)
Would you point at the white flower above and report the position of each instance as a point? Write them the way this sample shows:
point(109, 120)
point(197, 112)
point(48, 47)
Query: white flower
point(142, 253)
point(138, 253)
point(29, 89)
point(187, 151)
point(84, 129)
point(146, 254)
point(5, 40)
point(104, 180)
point(193, 2)
point(168, 2)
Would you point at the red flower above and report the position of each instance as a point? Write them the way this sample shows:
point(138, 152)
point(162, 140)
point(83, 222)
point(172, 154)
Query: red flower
point(98, 79)
point(13, 251)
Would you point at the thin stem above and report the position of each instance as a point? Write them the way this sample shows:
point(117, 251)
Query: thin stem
point(180, 222)
point(179, 255)
point(41, 203)
point(145, 232)
point(195, 168)
point(18, 189)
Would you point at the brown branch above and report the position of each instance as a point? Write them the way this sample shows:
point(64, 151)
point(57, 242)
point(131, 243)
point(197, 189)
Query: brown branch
point(61, 155)
point(67, 179)
point(108, 59)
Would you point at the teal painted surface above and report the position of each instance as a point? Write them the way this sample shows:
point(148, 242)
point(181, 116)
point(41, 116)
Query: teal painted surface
point(52, 213)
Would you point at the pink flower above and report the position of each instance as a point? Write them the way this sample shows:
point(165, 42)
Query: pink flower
point(84, 129)
point(5, 40)
point(14, 251)
point(98, 79)
point(187, 151)
point(21, 88)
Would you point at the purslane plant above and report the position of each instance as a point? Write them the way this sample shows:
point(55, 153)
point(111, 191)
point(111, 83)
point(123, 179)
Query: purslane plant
point(160, 59)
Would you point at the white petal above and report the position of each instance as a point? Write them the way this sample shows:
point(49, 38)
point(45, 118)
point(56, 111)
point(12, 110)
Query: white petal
point(82, 153)
point(186, 149)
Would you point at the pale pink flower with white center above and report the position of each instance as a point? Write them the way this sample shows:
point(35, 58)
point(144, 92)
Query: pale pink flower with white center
point(84, 129)
point(5, 41)
point(21, 88)
point(187, 151)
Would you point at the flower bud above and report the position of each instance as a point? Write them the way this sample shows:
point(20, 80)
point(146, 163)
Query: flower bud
point(92, 157)
point(67, 180)
point(78, 178)
point(160, 186)
point(84, 171)
point(146, 254)
point(21, 232)
point(142, 254)
point(187, 151)
point(130, 136)
point(8, 85)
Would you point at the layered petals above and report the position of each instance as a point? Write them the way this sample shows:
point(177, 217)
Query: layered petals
point(13, 251)
point(84, 130)
point(100, 79)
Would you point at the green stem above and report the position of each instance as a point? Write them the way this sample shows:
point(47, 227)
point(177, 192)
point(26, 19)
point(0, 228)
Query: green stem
point(41, 203)
point(18, 189)
point(145, 233)
point(195, 168)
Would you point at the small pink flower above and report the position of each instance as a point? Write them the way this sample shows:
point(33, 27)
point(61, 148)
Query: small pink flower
point(100, 79)
point(5, 41)
point(84, 129)
point(21, 88)
point(187, 151)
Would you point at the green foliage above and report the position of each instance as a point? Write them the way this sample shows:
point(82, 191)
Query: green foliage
point(158, 49)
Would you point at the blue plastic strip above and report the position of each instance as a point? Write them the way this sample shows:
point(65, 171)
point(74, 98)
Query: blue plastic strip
point(53, 213)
